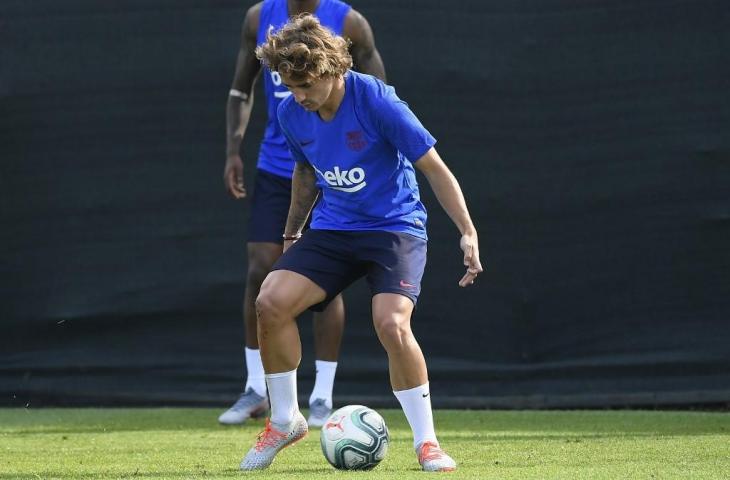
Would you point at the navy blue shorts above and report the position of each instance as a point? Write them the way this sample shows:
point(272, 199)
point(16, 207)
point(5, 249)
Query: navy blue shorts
point(392, 262)
point(269, 207)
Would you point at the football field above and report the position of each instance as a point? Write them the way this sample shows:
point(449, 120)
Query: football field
point(187, 443)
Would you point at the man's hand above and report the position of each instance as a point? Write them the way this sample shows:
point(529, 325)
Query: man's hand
point(470, 245)
point(233, 176)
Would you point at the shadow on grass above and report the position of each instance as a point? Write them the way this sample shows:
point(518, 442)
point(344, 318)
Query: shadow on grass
point(300, 472)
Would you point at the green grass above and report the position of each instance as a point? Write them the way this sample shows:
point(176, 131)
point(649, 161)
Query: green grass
point(189, 444)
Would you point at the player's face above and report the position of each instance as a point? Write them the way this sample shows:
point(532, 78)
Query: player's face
point(311, 94)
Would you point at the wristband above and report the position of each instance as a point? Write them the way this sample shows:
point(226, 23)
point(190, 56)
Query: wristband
point(295, 236)
point(237, 93)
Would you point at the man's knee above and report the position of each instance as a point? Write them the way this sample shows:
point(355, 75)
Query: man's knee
point(271, 306)
point(393, 329)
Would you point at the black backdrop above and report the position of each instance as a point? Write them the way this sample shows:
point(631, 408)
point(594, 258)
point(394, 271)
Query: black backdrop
point(592, 139)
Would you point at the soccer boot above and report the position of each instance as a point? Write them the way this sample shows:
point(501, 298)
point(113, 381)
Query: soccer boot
point(319, 412)
point(433, 459)
point(249, 405)
point(272, 440)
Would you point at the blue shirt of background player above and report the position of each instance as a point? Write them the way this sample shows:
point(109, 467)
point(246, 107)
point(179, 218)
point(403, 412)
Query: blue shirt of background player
point(362, 158)
point(274, 157)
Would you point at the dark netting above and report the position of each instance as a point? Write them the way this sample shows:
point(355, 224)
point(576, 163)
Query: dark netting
point(592, 139)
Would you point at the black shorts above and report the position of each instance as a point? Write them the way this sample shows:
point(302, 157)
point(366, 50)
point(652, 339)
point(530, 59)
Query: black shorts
point(392, 262)
point(269, 207)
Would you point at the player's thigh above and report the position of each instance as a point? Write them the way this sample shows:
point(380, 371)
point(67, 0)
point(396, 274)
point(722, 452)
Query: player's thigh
point(326, 258)
point(396, 262)
point(287, 292)
point(391, 314)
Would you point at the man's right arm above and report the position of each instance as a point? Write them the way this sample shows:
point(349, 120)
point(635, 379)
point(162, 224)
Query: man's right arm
point(240, 102)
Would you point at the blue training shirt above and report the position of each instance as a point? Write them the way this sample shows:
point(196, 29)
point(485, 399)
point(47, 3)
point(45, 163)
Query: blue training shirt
point(274, 156)
point(362, 157)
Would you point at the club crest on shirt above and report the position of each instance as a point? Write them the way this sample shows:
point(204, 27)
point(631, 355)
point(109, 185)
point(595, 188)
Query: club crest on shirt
point(355, 140)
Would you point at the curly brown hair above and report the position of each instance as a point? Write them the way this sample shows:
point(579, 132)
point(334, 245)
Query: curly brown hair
point(304, 49)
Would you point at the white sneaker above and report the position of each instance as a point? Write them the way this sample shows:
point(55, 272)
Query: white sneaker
point(319, 412)
point(249, 405)
point(272, 440)
point(433, 459)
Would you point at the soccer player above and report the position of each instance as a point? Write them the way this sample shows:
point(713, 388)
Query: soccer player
point(355, 143)
point(272, 191)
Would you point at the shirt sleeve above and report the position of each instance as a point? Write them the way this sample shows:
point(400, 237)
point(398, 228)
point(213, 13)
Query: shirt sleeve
point(398, 124)
point(291, 142)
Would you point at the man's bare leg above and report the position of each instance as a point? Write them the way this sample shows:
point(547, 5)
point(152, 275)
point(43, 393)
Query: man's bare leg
point(409, 376)
point(283, 296)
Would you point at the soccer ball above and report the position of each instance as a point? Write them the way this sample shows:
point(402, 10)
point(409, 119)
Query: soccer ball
point(354, 438)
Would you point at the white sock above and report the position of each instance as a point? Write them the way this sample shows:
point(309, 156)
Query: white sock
point(283, 396)
point(324, 382)
point(255, 372)
point(416, 404)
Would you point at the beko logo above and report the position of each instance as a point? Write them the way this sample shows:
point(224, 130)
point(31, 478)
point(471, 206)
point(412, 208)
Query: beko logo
point(348, 181)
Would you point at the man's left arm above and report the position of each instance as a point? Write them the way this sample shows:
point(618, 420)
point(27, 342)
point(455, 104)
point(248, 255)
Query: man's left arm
point(448, 192)
point(365, 55)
